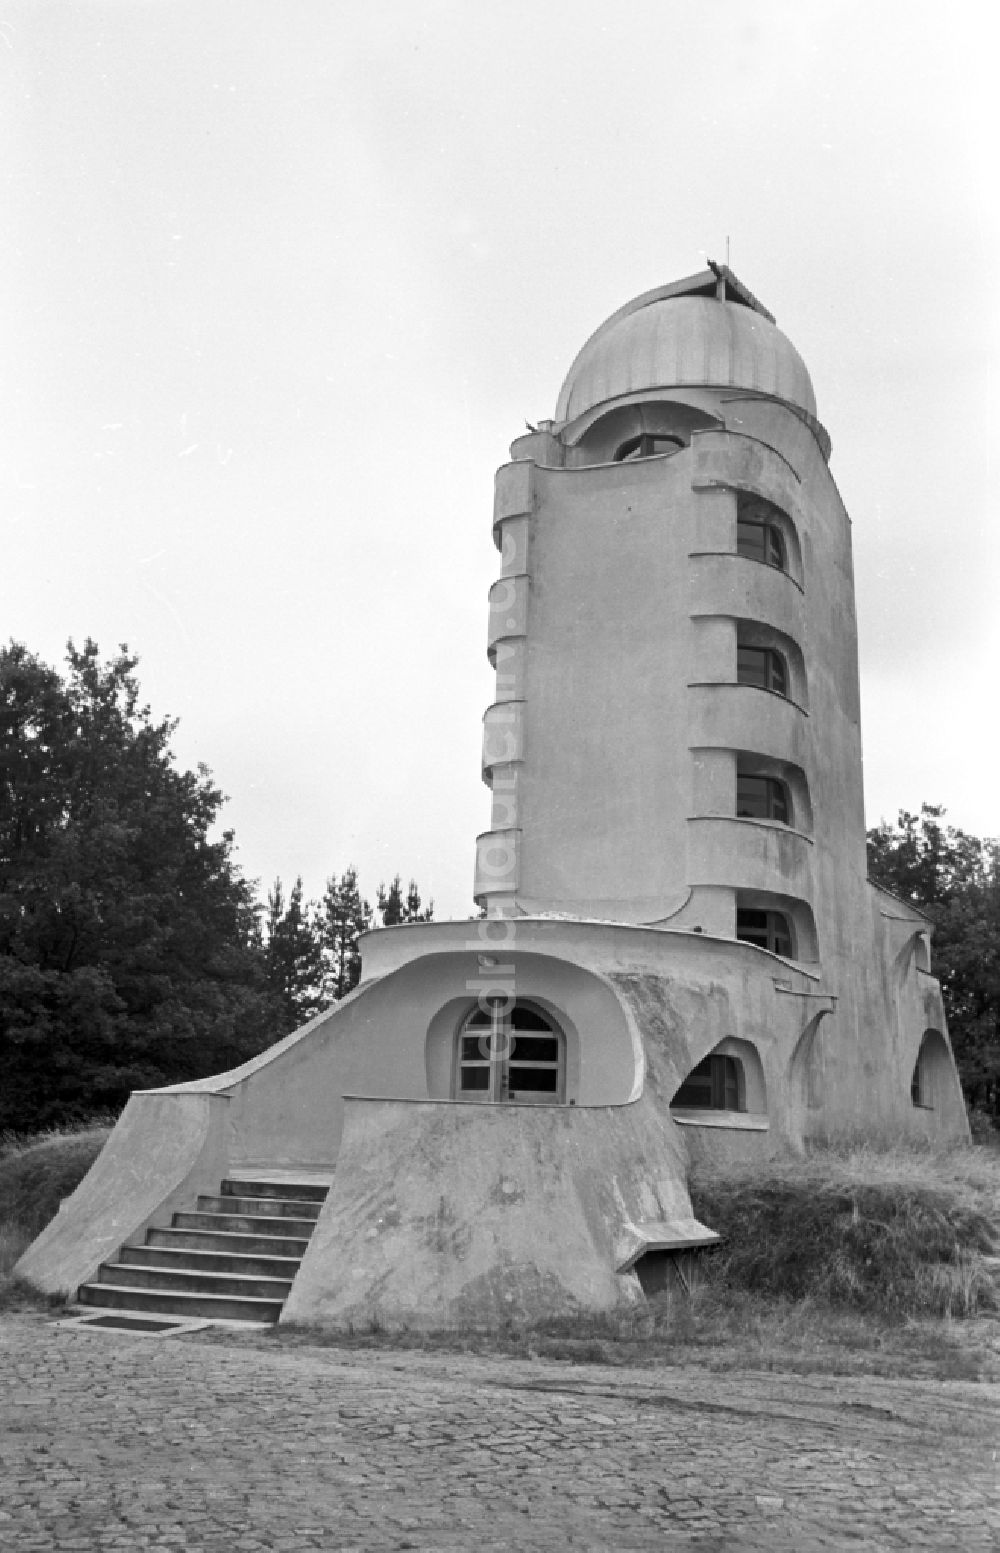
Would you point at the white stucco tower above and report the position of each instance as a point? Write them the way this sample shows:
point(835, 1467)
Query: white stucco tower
point(675, 736)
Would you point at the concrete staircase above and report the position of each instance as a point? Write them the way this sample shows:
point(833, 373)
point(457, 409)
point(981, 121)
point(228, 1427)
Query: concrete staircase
point(232, 1258)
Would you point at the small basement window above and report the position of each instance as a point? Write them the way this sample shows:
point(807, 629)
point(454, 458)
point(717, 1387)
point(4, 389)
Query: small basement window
point(761, 798)
point(646, 445)
point(764, 667)
point(716, 1084)
point(767, 929)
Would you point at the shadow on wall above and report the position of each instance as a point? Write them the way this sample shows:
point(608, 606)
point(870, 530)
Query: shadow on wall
point(934, 1087)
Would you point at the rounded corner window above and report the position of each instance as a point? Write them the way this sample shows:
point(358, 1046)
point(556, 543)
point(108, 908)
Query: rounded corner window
point(760, 533)
point(770, 930)
point(761, 797)
point(763, 667)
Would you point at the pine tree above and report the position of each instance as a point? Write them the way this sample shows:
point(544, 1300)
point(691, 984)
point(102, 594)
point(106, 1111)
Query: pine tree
point(344, 916)
point(293, 955)
point(393, 909)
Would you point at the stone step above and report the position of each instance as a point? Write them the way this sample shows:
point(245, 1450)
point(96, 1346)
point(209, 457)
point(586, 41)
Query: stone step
point(228, 1242)
point(245, 1223)
point(236, 1262)
point(208, 1307)
point(261, 1207)
point(186, 1280)
point(301, 1191)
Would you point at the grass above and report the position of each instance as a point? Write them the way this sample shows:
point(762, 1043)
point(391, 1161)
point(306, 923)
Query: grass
point(36, 1173)
point(895, 1234)
point(852, 1261)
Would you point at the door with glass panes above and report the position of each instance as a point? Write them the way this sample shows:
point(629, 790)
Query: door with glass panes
point(510, 1053)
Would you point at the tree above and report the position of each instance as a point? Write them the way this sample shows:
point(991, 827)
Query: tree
point(293, 955)
point(344, 916)
point(130, 950)
point(955, 879)
point(393, 908)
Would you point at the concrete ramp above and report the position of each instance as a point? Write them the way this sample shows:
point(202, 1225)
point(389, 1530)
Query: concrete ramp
point(444, 1214)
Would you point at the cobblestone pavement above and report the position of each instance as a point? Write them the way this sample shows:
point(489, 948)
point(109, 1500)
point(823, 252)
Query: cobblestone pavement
point(127, 1442)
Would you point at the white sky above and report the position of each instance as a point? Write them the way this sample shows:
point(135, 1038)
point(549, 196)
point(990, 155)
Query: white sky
point(282, 281)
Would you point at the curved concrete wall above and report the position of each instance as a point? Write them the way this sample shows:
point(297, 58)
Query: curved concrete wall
point(749, 855)
point(427, 1195)
point(742, 588)
point(166, 1148)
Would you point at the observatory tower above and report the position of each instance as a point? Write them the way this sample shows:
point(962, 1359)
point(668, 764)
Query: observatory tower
point(681, 956)
point(675, 738)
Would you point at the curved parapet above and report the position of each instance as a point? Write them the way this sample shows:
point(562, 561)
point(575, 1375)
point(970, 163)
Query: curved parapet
point(166, 1149)
point(498, 859)
point(444, 1214)
point(508, 613)
point(739, 462)
point(749, 854)
point(731, 716)
point(733, 585)
point(503, 736)
point(514, 490)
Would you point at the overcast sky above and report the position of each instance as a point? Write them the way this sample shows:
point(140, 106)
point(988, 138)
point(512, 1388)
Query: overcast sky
point(281, 282)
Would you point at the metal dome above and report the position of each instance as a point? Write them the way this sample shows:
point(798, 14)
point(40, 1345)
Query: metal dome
point(666, 340)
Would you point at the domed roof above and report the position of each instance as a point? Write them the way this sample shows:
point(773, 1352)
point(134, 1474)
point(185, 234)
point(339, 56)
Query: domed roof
point(669, 338)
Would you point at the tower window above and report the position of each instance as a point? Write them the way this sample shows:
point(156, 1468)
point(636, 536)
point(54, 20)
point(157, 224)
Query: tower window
point(646, 445)
point(716, 1084)
point(767, 929)
point(761, 542)
point(761, 798)
point(764, 667)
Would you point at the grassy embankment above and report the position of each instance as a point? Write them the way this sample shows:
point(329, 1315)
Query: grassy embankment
point(883, 1261)
point(36, 1173)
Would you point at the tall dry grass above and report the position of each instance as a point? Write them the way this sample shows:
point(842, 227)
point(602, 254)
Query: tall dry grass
point(898, 1232)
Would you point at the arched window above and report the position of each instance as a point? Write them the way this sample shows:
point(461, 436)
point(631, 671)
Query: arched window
point(646, 445)
point(716, 1084)
point(516, 1053)
point(764, 667)
point(932, 1058)
point(767, 929)
point(761, 798)
point(758, 535)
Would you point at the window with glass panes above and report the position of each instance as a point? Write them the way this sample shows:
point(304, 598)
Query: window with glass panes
point(646, 445)
point(510, 1054)
point(758, 535)
point(762, 666)
point(714, 1085)
point(766, 929)
point(761, 798)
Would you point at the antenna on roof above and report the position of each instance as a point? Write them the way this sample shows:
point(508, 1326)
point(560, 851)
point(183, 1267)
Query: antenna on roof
point(727, 253)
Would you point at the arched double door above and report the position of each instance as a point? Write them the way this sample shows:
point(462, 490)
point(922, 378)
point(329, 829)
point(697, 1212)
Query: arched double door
point(512, 1052)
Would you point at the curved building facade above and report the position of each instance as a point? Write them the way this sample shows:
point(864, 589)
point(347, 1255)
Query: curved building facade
point(680, 954)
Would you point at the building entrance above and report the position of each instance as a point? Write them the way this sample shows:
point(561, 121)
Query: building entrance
point(510, 1053)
